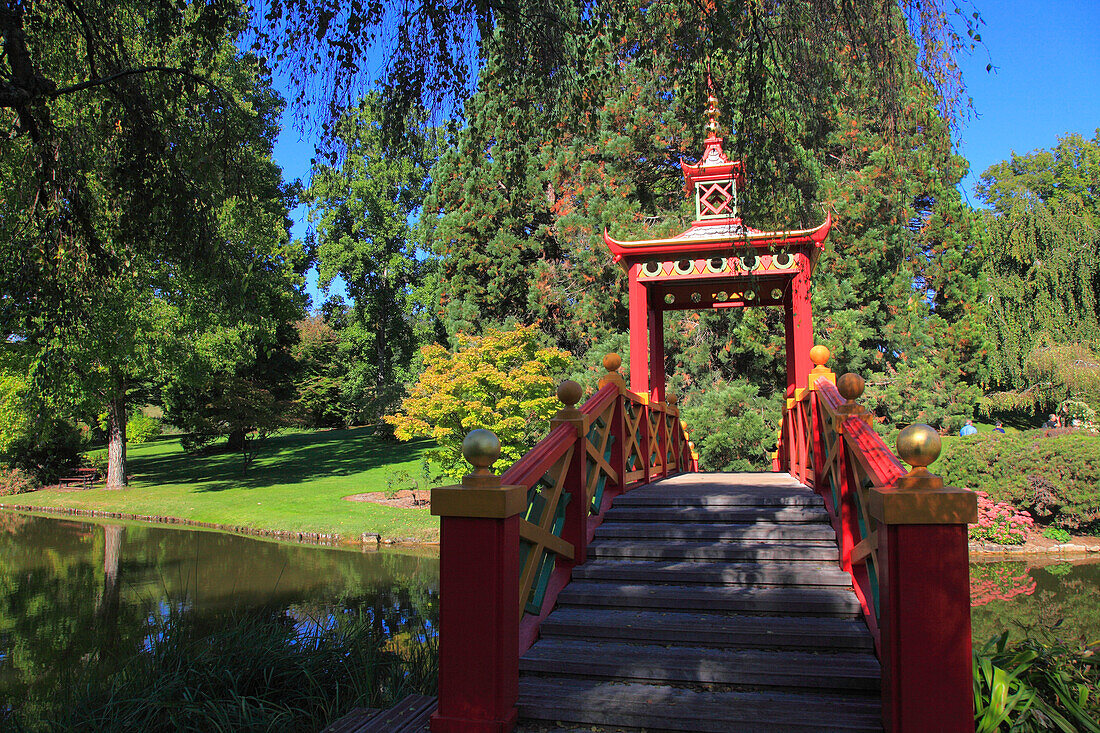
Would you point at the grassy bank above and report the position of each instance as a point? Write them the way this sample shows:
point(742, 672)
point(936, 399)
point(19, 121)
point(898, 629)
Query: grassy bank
point(297, 483)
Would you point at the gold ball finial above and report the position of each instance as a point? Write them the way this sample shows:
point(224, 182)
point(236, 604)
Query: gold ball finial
point(850, 386)
point(819, 355)
point(569, 393)
point(919, 445)
point(672, 399)
point(612, 362)
point(481, 448)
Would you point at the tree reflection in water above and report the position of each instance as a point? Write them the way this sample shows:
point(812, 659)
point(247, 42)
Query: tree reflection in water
point(77, 594)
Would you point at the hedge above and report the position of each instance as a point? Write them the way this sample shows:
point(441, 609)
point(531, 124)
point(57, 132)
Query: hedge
point(1054, 477)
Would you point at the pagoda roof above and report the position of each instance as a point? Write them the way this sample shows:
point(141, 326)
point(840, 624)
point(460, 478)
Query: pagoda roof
point(710, 236)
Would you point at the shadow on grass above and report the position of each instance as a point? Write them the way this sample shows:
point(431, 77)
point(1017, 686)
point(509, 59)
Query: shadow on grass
point(281, 459)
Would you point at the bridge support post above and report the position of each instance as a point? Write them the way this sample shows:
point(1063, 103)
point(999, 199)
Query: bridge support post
point(611, 363)
point(639, 332)
point(575, 530)
point(478, 596)
point(798, 329)
point(924, 594)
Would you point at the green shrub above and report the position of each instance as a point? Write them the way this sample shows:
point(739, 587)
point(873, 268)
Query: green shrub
point(733, 427)
point(98, 461)
point(1055, 478)
point(1056, 534)
point(142, 429)
point(1036, 684)
point(17, 481)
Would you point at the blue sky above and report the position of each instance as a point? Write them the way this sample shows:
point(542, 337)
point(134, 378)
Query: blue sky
point(1046, 55)
point(1045, 83)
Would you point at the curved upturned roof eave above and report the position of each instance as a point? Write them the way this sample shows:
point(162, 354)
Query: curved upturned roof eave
point(684, 244)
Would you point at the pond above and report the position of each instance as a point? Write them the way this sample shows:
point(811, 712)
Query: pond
point(1044, 593)
point(71, 590)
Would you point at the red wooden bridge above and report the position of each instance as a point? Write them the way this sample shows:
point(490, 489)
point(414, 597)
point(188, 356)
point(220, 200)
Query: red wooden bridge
point(602, 581)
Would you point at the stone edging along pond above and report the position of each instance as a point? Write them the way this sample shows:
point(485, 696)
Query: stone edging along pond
point(1026, 550)
point(330, 539)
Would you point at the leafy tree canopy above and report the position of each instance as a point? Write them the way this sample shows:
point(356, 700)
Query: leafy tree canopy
point(1042, 259)
point(502, 380)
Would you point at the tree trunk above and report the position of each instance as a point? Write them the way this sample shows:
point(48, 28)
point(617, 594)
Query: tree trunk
point(236, 440)
point(116, 443)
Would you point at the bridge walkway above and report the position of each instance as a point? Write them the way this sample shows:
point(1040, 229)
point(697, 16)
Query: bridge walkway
point(709, 602)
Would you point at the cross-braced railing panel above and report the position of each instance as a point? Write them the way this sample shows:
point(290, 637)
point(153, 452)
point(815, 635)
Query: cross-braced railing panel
point(615, 441)
point(541, 524)
point(656, 437)
point(600, 442)
point(670, 425)
point(635, 434)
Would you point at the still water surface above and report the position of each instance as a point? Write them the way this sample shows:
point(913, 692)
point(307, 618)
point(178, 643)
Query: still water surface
point(1059, 595)
point(67, 588)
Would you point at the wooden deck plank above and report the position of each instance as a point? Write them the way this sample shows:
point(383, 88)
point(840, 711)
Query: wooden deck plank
point(663, 707)
point(708, 629)
point(705, 665)
point(683, 572)
point(410, 715)
point(820, 533)
point(701, 550)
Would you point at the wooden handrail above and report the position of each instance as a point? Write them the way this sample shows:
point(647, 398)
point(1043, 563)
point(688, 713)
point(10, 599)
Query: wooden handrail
point(617, 440)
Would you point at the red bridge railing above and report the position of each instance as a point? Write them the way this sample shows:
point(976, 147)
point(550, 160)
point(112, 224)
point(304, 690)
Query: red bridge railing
point(508, 544)
point(902, 537)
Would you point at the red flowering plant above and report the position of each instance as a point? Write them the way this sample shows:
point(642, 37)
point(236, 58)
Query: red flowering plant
point(1000, 522)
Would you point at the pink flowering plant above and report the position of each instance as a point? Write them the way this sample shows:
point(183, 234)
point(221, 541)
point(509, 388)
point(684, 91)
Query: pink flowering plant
point(1000, 523)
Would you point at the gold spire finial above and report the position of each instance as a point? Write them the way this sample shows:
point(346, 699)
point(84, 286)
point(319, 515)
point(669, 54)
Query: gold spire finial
point(712, 114)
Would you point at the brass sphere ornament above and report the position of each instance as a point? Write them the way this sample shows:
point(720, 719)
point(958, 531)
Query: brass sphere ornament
point(569, 393)
point(919, 445)
point(850, 386)
point(819, 355)
point(612, 362)
point(482, 449)
point(672, 399)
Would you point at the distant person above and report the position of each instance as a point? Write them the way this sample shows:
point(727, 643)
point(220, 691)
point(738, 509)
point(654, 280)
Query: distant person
point(999, 428)
point(1052, 422)
point(968, 429)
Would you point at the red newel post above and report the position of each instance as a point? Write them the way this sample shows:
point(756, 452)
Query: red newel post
point(575, 530)
point(478, 596)
point(818, 355)
point(924, 594)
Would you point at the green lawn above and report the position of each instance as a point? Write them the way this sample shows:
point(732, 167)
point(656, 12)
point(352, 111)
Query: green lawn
point(297, 483)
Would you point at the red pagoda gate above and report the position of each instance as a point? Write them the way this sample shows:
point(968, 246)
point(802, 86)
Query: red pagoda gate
point(719, 262)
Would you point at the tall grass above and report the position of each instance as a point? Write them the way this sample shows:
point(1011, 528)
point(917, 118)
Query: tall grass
point(243, 672)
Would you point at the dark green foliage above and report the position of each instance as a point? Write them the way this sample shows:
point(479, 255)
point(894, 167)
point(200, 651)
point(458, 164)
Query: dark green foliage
point(362, 210)
point(1042, 256)
point(1037, 683)
point(523, 196)
point(1057, 479)
point(320, 381)
point(49, 450)
point(733, 427)
point(248, 672)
